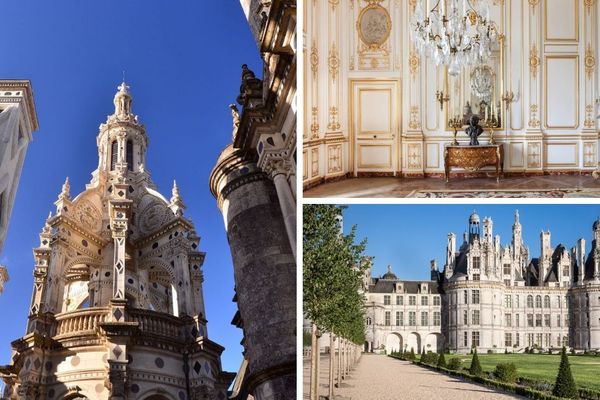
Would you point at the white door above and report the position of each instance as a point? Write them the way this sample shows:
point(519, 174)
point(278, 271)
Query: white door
point(375, 122)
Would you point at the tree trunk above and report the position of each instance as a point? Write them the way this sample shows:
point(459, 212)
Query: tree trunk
point(339, 363)
point(331, 363)
point(314, 365)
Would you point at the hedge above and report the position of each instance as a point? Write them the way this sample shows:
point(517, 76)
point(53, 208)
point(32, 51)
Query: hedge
point(508, 387)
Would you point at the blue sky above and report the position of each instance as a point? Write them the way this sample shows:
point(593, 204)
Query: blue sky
point(409, 236)
point(182, 61)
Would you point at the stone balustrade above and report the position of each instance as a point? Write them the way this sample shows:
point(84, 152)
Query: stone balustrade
point(156, 323)
point(80, 321)
point(87, 321)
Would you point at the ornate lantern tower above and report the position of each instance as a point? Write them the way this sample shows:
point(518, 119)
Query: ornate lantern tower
point(117, 310)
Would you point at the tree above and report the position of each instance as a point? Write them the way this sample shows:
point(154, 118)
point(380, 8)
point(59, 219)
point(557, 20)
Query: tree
point(412, 353)
point(475, 368)
point(441, 360)
point(333, 268)
point(565, 384)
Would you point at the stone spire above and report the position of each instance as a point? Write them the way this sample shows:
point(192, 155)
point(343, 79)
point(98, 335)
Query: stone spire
point(122, 101)
point(177, 205)
point(64, 197)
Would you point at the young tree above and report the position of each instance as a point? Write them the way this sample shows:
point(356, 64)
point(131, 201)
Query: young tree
point(333, 268)
point(475, 368)
point(565, 384)
point(441, 360)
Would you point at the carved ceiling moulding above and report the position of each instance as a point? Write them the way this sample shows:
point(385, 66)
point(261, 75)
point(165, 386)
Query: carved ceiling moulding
point(374, 25)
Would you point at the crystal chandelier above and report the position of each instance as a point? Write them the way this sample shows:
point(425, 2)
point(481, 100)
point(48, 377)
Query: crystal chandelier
point(455, 33)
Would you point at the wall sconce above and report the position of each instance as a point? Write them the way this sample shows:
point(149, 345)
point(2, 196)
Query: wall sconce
point(509, 97)
point(440, 97)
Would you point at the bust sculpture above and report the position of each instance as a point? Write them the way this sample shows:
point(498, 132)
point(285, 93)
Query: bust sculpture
point(474, 130)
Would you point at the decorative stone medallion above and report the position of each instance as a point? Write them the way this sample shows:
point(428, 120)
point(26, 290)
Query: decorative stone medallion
point(374, 26)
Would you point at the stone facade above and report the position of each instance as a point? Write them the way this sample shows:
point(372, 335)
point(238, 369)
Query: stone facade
point(18, 120)
point(254, 183)
point(117, 310)
point(492, 297)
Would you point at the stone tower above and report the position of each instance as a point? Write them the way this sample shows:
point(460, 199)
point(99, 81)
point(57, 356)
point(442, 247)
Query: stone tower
point(18, 121)
point(254, 182)
point(117, 310)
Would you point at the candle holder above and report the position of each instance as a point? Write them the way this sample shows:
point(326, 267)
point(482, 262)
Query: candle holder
point(455, 123)
point(508, 98)
point(491, 124)
point(442, 99)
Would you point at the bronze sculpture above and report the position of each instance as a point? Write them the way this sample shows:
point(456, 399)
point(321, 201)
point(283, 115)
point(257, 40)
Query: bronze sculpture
point(474, 130)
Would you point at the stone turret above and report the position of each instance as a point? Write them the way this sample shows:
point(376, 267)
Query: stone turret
point(117, 287)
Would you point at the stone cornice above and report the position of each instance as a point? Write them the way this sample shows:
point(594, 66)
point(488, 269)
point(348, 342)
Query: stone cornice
point(25, 86)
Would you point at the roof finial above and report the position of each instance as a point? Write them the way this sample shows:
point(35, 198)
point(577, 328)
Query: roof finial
point(65, 192)
point(177, 205)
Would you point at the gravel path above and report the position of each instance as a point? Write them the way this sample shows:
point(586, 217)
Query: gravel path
point(383, 378)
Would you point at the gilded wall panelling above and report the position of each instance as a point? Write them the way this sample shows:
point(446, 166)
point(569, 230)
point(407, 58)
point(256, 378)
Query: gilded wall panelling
point(590, 154)
point(516, 155)
point(534, 155)
point(561, 20)
point(561, 155)
point(334, 159)
point(561, 98)
point(515, 52)
point(334, 64)
point(432, 155)
point(374, 29)
point(314, 155)
point(304, 164)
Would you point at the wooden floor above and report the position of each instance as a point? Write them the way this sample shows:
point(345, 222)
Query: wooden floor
point(404, 187)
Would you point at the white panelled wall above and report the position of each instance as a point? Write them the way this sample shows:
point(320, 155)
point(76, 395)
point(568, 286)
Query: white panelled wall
point(370, 99)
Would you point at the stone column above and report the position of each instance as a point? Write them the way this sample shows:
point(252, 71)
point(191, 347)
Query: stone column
point(278, 170)
point(264, 271)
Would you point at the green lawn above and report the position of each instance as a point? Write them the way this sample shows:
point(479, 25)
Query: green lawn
point(585, 369)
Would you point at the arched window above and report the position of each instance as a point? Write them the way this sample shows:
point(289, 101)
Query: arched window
point(530, 301)
point(547, 301)
point(129, 155)
point(538, 301)
point(114, 150)
point(369, 321)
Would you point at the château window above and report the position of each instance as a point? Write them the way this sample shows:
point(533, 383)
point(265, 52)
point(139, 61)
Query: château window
point(424, 318)
point(530, 301)
point(517, 320)
point(475, 339)
point(475, 317)
point(547, 301)
point(465, 317)
point(412, 300)
point(538, 301)
point(466, 339)
point(506, 269)
point(507, 320)
point(517, 340)
point(437, 318)
point(466, 297)
point(475, 296)
point(114, 151)
point(538, 319)
point(129, 155)
point(387, 318)
point(476, 277)
point(566, 270)
point(530, 320)
point(508, 301)
point(436, 300)
point(399, 318)
point(508, 339)
point(507, 282)
point(386, 300)
point(476, 262)
point(399, 300)
point(517, 301)
point(547, 320)
point(558, 322)
point(558, 301)
point(412, 318)
point(424, 301)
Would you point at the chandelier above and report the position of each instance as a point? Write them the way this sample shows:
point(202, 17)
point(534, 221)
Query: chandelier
point(455, 33)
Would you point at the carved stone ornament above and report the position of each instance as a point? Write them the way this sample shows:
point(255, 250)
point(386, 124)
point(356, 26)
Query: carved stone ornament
point(374, 25)
point(88, 215)
point(153, 217)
